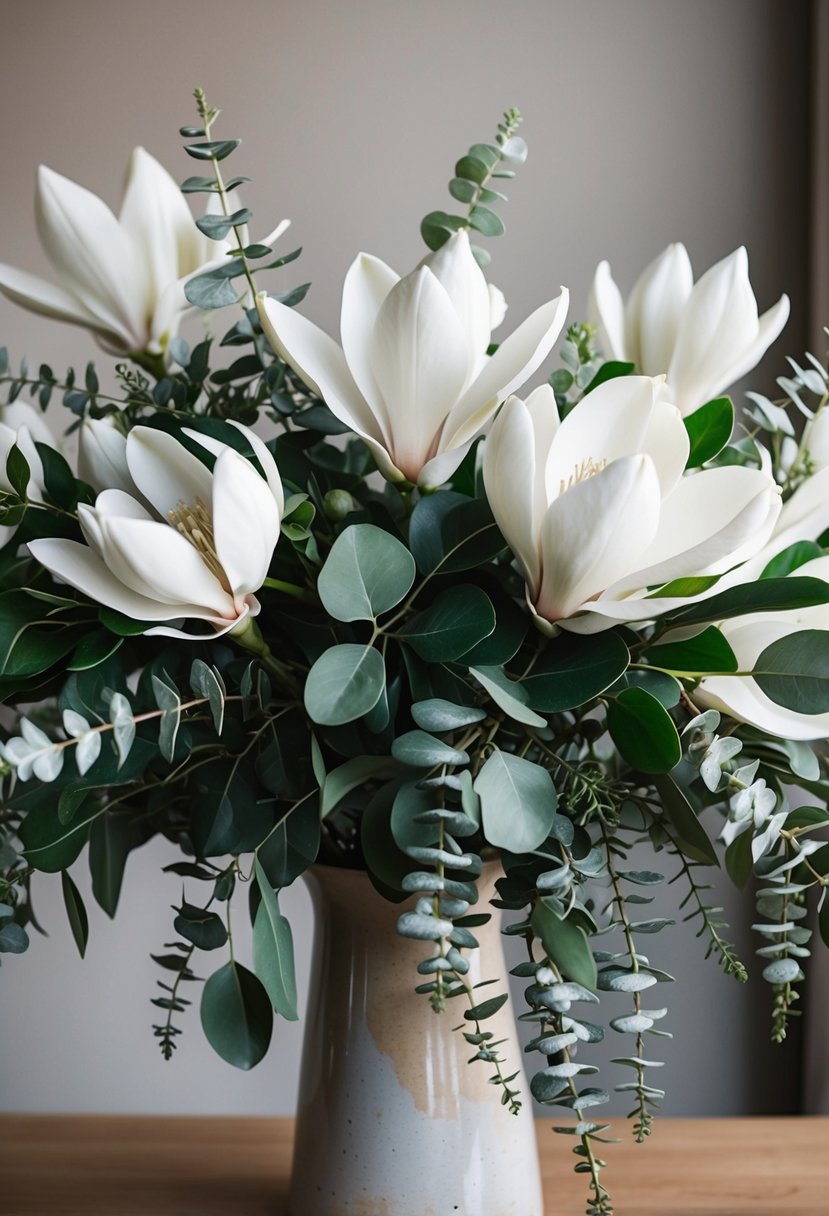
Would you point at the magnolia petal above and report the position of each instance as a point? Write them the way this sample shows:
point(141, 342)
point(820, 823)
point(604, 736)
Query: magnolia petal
point(607, 424)
point(102, 456)
point(266, 461)
point(719, 318)
point(159, 222)
point(117, 504)
point(164, 471)
point(418, 356)
point(156, 561)
point(220, 627)
point(367, 284)
point(18, 414)
point(595, 532)
point(667, 441)
point(77, 566)
point(515, 360)
point(441, 467)
point(509, 470)
point(40, 296)
point(654, 309)
point(606, 310)
point(245, 522)
point(321, 364)
point(455, 267)
point(92, 254)
point(770, 326)
point(713, 520)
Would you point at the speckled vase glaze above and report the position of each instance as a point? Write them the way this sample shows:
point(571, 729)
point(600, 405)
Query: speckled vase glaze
point(392, 1120)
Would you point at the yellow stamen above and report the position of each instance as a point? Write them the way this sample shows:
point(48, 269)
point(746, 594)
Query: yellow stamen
point(584, 469)
point(196, 526)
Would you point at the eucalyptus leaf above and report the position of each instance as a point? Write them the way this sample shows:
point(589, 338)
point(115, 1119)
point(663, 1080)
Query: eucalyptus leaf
point(236, 1015)
point(566, 945)
point(366, 573)
point(273, 950)
point(344, 684)
point(794, 671)
point(518, 802)
point(76, 912)
point(458, 618)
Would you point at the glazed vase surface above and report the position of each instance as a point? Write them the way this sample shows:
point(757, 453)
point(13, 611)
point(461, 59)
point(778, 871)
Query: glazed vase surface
point(392, 1119)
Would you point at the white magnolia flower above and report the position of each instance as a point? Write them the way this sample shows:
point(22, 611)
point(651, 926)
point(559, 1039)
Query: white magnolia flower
point(102, 455)
point(748, 637)
point(703, 336)
point(597, 511)
point(412, 377)
point(123, 278)
point(201, 552)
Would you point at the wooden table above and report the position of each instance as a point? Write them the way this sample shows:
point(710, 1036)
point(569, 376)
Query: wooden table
point(99, 1165)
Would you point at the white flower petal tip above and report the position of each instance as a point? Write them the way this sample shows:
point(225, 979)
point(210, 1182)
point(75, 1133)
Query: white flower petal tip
point(412, 377)
point(704, 336)
point(120, 277)
point(595, 508)
point(200, 557)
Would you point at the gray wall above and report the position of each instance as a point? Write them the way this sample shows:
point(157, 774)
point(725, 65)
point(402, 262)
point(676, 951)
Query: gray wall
point(648, 121)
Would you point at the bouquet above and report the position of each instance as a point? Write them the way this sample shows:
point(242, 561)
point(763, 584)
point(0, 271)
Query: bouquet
point(426, 623)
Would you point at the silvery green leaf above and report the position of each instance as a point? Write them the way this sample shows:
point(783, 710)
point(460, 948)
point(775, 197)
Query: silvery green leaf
point(205, 681)
point(616, 979)
point(88, 750)
point(782, 971)
point(123, 725)
point(74, 724)
point(169, 702)
point(631, 1023)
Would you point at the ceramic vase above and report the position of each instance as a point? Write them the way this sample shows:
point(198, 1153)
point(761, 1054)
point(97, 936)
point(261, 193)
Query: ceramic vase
point(392, 1119)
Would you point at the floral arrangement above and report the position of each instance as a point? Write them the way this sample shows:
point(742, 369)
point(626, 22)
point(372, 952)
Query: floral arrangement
point(429, 623)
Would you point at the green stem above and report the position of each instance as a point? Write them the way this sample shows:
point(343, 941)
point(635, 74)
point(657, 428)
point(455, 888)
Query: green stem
point(292, 589)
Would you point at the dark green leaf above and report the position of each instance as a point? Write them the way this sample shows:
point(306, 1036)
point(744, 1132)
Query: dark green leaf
point(689, 832)
point(292, 846)
point(794, 671)
point(13, 938)
point(643, 731)
point(437, 227)
point(273, 950)
point(459, 618)
point(206, 930)
point(449, 532)
point(75, 910)
point(709, 429)
point(18, 472)
point(486, 1009)
point(574, 669)
point(236, 1015)
point(765, 595)
point(212, 149)
point(472, 169)
point(111, 839)
point(792, 558)
point(217, 226)
point(705, 652)
point(566, 945)
point(608, 371)
point(738, 860)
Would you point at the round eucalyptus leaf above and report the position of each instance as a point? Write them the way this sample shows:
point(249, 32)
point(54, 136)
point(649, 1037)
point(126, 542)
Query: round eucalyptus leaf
point(236, 1015)
point(518, 802)
point(457, 620)
point(782, 971)
point(368, 571)
point(794, 671)
point(439, 715)
point(344, 683)
point(422, 750)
